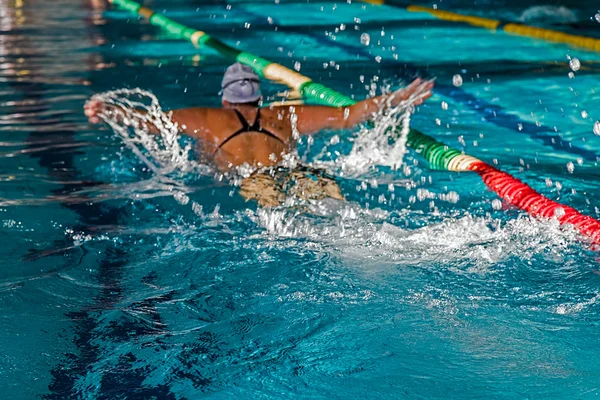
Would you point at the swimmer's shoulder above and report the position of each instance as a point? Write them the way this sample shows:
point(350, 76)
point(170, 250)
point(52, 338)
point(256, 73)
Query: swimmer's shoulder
point(200, 121)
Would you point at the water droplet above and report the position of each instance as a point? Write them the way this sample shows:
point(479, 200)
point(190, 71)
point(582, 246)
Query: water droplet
point(496, 204)
point(457, 80)
point(297, 66)
point(197, 209)
point(597, 128)
point(365, 39)
point(584, 114)
point(452, 197)
point(334, 140)
point(597, 16)
point(571, 75)
point(181, 198)
point(444, 105)
point(438, 122)
point(575, 64)
point(570, 167)
point(342, 27)
point(378, 59)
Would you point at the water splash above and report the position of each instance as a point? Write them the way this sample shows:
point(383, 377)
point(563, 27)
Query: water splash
point(360, 234)
point(379, 143)
point(136, 116)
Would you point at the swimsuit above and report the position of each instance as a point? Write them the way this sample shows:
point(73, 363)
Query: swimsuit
point(271, 186)
point(246, 127)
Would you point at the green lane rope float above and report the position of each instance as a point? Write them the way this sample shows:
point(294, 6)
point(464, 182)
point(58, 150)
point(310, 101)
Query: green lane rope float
point(439, 155)
point(512, 28)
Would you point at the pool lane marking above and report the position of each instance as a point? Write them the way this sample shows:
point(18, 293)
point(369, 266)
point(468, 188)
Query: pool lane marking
point(436, 153)
point(534, 32)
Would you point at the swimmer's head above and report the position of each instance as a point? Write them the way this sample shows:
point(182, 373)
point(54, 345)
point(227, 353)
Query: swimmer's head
point(240, 85)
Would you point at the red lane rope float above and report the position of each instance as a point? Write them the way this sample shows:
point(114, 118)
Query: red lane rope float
point(518, 194)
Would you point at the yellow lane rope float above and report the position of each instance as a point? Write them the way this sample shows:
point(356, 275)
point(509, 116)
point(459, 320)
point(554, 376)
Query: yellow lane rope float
point(549, 35)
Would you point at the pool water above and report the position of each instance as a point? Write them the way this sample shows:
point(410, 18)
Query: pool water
point(121, 283)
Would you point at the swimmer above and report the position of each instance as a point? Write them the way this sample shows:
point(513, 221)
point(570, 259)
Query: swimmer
point(241, 132)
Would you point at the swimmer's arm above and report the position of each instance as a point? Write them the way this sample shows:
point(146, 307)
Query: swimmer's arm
point(93, 108)
point(312, 119)
point(189, 120)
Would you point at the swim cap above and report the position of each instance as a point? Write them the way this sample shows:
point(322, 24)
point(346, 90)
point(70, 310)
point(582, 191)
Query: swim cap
point(240, 84)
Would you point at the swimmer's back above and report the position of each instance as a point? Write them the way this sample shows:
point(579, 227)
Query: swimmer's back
point(230, 142)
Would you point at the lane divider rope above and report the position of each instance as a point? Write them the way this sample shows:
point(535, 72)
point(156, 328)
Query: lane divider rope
point(439, 155)
point(454, 17)
point(508, 27)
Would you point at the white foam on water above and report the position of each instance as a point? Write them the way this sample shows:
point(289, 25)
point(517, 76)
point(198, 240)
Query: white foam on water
point(576, 307)
point(359, 234)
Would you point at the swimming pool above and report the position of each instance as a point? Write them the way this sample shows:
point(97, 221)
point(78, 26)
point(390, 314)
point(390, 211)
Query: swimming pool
point(112, 287)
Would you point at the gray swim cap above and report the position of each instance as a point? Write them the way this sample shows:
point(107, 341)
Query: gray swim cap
point(240, 84)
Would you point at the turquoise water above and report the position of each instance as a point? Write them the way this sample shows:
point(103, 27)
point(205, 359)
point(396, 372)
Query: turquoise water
point(111, 287)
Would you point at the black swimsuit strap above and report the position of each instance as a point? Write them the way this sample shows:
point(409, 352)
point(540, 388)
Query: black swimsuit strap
point(246, 127)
